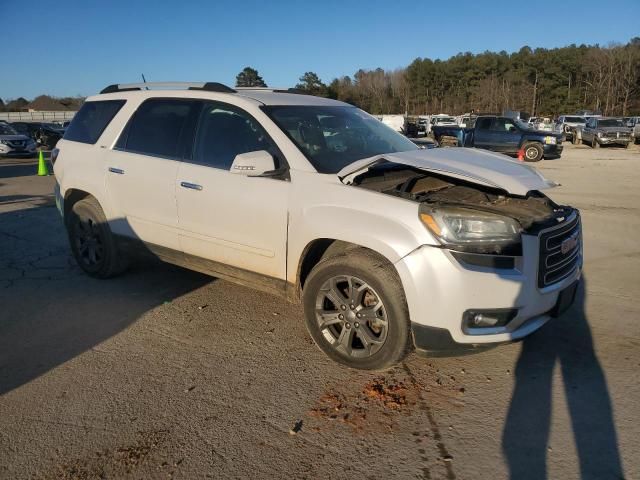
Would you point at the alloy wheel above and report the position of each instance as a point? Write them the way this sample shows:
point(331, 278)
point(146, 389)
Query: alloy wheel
point(351, 316)
point(88, 240)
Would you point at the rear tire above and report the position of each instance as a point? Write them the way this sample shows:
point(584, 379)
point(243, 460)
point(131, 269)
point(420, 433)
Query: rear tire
point(356, 312)
point(533, 152)
point(92, 243)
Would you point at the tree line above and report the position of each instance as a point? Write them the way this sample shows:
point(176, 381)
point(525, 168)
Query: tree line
point(540, 81)
point(42, 103)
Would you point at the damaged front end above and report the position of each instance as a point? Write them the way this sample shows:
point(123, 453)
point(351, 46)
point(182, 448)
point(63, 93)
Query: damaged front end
point(467, 217)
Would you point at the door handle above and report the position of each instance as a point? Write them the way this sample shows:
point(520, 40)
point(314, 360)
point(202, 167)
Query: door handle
point(192, 186)
point(119, 171)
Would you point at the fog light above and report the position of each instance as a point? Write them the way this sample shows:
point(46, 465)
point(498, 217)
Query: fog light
point(474, 319)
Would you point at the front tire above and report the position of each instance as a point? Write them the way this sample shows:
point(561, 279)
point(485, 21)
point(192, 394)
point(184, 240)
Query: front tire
point(356, 312)
point(533, 152)
point(92, 243)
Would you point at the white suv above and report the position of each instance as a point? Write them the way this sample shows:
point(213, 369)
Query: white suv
point(387, 246)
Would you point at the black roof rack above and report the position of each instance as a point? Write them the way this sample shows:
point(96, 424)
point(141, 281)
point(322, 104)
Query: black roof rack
point(206, 86)
point(298, 91)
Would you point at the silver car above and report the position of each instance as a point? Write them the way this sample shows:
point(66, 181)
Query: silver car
point(12, 144)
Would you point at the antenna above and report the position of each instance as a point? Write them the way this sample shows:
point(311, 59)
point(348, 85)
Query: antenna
point(144, 80)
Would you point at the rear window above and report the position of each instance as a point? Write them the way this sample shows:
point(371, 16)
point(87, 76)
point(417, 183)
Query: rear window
point(156, 128)
point(91, 120)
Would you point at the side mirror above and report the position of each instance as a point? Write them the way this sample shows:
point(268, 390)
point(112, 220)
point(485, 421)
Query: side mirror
point(512, 129)
point(253, 164)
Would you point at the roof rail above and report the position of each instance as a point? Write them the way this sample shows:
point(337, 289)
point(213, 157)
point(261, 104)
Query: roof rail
point(207, 86)
point(299, 91)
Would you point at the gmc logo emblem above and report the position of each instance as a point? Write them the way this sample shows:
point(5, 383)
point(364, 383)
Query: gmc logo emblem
point(569, 244)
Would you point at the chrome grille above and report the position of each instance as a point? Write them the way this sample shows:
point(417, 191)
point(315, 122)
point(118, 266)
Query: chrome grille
point(560, 251)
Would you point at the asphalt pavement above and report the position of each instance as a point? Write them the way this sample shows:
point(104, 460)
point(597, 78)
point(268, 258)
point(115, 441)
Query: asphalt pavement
point(167, 373)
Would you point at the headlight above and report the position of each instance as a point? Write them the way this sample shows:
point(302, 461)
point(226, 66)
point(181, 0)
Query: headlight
point(599, 134)
point(473, 230)
point(550, 140)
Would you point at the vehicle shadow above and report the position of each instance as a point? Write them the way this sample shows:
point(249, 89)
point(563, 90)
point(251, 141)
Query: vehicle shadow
point(51, 312)
point(568, 342)
point(19, 167)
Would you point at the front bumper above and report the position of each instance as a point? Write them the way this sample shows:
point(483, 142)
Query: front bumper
point(614, 141)
point(18, 153)
point(439, 289)
point(552, 150)
point(59, 199)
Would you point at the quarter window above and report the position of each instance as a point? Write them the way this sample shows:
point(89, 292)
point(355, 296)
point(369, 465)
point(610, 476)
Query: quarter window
point(91, 120)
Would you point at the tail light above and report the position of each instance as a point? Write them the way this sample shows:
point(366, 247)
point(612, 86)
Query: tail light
point(54, 155)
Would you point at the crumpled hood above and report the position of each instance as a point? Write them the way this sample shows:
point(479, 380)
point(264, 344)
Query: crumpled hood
point(470, 164)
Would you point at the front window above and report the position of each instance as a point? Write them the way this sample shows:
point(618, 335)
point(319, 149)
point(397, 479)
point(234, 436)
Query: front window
point(332, 137)
point(7, 130)
point(611, 122)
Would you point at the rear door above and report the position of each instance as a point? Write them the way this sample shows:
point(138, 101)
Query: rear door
point(142, 169)
point(229, 218)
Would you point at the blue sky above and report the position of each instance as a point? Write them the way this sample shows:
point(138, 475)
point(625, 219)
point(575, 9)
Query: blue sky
point(78, 47)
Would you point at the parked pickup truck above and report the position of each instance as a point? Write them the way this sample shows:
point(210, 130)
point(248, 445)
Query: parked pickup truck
point(606, 131)
point(504, 135)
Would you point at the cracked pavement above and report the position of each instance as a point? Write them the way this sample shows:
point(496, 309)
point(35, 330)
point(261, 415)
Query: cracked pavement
point(167, 373)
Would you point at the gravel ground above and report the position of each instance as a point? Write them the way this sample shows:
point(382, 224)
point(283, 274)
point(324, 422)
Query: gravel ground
point(166, 373)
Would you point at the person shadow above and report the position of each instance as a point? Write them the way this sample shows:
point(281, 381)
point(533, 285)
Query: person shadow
point(567, 341)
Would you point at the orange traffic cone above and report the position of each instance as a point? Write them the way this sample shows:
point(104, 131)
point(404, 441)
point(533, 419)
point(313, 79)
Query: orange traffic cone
point(521, 155)
point(43, 171)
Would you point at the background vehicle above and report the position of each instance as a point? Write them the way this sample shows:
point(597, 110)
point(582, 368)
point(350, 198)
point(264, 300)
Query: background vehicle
point(316, 201)
point(13, 144)
point(634, 125)
point(442, 119)
point(541, 123)
point(423, 124)
point(466, 120)
point(504, 135)
point(45, 134)
point(568, 124)
point(606, 131)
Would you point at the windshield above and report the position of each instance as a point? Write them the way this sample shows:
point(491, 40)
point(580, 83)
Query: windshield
point(575, 119)
point(611, 122)
point(7, 130)
point(334, 137)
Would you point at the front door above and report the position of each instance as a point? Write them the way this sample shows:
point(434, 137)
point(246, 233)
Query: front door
point(229, 218)
point(506, 135)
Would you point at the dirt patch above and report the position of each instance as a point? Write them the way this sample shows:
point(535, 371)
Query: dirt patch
point(376, 405)
point(116, 462)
